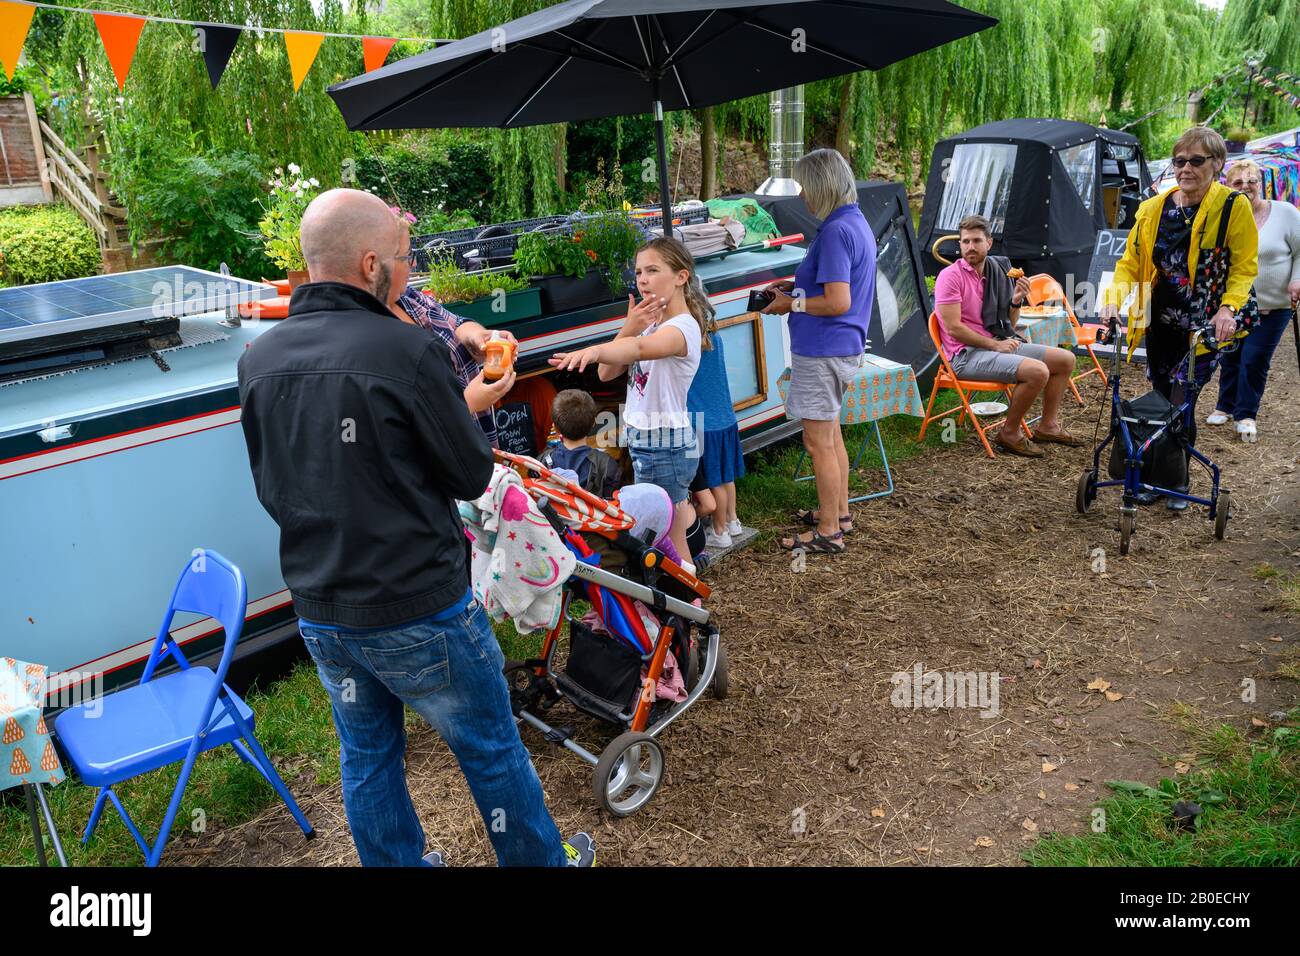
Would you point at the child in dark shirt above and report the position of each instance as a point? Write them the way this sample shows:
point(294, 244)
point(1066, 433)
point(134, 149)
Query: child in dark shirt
point(574, 413)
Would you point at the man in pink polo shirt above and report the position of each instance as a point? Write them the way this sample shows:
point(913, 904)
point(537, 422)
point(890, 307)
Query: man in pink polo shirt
point(978, 355)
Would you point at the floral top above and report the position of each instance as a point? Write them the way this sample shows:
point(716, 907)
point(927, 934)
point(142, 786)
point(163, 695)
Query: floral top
point(1172, 295)
point(431, 315)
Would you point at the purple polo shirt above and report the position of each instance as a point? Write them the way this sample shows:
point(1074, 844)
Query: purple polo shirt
point(844, 251)
point(961, 284)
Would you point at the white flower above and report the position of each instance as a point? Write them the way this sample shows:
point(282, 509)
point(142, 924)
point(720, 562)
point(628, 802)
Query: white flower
point(314, 181)
point(294, 169)
point(279, 183)
point(279, 171)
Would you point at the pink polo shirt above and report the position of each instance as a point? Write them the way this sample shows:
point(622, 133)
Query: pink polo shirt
point(961, 284)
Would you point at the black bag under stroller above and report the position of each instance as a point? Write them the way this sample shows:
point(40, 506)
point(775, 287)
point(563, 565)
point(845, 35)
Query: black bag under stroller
point(1164, 461)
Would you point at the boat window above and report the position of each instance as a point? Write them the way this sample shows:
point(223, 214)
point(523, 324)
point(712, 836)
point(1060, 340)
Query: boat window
point(742, 341)
point(897, 294)
point(978, 181)
point(1081, 163)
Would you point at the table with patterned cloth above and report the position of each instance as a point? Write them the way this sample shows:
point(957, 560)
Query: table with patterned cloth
point(27, 756)
point(1052, 329)
point(882, 388)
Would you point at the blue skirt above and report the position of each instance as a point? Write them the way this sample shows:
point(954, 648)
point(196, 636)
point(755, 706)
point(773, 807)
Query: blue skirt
point(721, 460)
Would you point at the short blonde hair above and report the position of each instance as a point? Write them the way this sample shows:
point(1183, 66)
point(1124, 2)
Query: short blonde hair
point(1246, 166)
point(827, 181)
point(1205, 140)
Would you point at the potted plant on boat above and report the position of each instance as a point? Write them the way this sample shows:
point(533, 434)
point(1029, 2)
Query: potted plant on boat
point(282, 220)
point(587, 261)
point(489, 298)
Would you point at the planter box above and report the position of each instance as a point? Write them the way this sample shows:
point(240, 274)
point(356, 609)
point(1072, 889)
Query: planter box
point(524, 304)
point(565, 293)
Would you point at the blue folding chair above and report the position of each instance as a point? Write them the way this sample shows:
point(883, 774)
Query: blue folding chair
point(175, 717)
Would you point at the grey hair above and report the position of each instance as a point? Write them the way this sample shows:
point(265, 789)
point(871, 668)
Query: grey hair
point(827, 181)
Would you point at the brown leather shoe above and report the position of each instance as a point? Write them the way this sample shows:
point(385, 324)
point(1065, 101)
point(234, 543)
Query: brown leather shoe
point(1059, 438)
point(1024, 448)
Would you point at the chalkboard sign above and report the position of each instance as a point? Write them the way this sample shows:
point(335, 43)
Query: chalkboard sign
point(1106, 252)
point(515, 432)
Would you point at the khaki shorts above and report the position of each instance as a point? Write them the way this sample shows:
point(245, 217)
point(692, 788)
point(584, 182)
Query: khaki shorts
point(989, 365)
point(818, 384)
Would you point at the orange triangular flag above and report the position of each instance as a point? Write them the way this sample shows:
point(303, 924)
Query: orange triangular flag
point(15, 21)
point(302, 49)
point(375, 51)
point(121, 35)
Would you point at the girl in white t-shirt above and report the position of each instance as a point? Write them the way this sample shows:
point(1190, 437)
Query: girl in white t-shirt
point(659, 349)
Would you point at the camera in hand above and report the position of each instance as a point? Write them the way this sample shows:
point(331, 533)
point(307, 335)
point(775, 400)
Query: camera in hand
point(759, 299)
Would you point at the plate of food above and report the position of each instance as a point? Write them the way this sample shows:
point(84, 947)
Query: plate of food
point(987, 409)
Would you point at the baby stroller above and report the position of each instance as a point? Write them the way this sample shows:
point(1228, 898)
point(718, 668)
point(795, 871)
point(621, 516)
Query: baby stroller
point(644, 607)
point(1152, 451)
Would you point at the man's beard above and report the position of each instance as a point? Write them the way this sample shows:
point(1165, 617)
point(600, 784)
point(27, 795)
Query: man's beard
point(383, 284)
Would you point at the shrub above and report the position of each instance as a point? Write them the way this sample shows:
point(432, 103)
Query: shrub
point(629, 138)
point(450, 284)
point(207, 208)
point(45, 244)
point(430, 176)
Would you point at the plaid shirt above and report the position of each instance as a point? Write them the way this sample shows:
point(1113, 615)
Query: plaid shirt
point(430, 314)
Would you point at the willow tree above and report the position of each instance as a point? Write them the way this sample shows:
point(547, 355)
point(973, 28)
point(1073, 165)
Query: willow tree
point(169, 106)
point(1270, 29)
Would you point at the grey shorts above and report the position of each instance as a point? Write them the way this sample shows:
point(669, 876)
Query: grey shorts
point(988, 365)
point(818, 384)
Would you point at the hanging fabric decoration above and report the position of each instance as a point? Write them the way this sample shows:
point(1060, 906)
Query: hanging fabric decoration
point(120, 35)
point(375, 51)
point(217, 42)
point(15, 21)
point(302, 49)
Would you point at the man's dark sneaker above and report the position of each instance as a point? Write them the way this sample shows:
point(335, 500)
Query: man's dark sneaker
point(433, 858)
point(580, 850)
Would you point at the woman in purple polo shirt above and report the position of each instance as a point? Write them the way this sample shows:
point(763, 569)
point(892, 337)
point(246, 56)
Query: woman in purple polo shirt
point(829, 307)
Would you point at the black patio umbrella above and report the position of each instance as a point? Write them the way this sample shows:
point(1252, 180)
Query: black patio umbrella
point(586, 59)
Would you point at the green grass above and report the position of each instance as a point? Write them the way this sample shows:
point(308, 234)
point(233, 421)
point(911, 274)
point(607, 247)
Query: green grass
point(293, 725)
point(1263, 571)
point(1248, 789)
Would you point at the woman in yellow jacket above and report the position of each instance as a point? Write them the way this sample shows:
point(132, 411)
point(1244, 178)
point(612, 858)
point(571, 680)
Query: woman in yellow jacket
point(1179, 277)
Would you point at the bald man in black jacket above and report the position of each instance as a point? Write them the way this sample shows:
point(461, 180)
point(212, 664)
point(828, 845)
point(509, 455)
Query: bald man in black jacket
point(360, 442)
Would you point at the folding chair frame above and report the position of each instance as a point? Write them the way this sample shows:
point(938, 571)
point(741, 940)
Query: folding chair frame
point(247, 747)
point(884, 459)
point(1042, 289)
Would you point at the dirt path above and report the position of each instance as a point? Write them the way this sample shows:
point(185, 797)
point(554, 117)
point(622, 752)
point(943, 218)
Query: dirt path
point(972, 566)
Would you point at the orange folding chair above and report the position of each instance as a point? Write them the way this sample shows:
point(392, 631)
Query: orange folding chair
point(1044, 289)
point(947, 378)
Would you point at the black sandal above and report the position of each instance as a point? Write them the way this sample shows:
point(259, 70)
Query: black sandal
point(805, 516)
point(820, 543)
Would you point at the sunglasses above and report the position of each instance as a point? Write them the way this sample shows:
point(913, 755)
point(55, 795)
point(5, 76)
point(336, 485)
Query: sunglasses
point(1196, 161)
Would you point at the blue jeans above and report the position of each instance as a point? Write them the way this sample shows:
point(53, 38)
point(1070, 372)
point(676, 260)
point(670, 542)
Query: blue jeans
point(449, 672)
point(1244, 373)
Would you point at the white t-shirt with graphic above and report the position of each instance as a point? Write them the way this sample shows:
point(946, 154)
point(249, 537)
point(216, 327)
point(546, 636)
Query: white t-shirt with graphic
point(656, 389)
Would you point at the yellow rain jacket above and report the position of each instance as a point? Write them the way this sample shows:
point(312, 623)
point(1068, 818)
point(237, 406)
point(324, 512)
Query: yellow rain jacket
point(1136, 272)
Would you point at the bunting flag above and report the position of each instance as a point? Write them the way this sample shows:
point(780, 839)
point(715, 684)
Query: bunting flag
point(218, 42)
point(15, 21)
point(120, 35)
point(302, 48)
point(375, 51)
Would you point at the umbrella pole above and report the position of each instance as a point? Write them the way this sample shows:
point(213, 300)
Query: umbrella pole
point(665, 195)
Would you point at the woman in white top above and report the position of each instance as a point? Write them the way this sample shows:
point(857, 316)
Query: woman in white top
point(1244, 372)
point(659, 349)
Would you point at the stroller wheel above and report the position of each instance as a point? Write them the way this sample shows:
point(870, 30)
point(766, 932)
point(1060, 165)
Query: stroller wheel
point(1221, 515)
point(721, 675)
point(1127, 524)
point(628, 773)
point(1085, 492)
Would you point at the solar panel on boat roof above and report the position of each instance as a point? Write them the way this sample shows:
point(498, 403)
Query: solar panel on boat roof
point(74, 305)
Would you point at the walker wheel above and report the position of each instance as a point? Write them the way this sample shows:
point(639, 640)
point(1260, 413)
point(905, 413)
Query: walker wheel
point(1221, 515)
point(1127, 525)
point(628, 773)
point(721, 675)
point(1085, 492)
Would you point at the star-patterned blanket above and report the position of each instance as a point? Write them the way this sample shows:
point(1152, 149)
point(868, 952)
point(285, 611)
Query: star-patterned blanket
point(519, 564)
point(26, 753)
